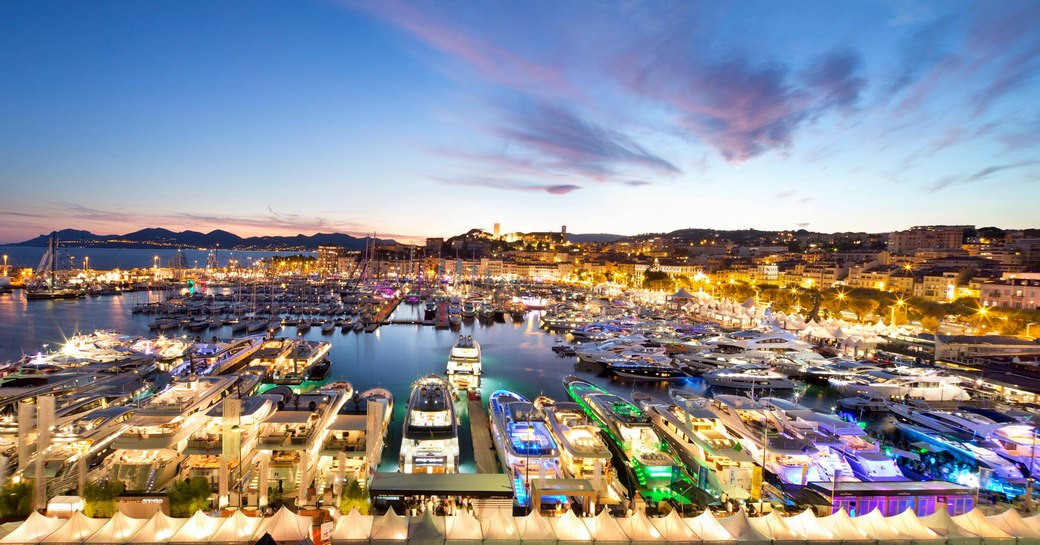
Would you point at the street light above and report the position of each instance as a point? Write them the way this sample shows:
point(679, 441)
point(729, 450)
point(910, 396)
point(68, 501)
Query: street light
point(1027, 325)
point(898, 303)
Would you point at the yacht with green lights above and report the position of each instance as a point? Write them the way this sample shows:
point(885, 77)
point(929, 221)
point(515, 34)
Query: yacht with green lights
point(651, 469)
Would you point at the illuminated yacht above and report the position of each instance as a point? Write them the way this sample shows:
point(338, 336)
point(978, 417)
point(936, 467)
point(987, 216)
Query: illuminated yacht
point(464, 365)
point(601, 353)
point(525, 446)
point(219, 357)
point(899, 387)
point(1018, 443)
point(84, 441)
point(291, 366)
point(748, 377)
point(148, 453)
point(583, 454)
point(430, 442)
point(358, 434)
point(830, 434)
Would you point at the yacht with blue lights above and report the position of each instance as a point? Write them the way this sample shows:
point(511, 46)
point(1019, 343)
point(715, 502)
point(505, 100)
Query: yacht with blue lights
point(525, 446)
point(651, 470)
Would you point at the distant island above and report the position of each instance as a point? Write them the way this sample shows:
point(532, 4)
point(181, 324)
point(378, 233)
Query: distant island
point(164, 238)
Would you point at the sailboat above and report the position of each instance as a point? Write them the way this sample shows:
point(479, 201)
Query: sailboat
point(48, 267)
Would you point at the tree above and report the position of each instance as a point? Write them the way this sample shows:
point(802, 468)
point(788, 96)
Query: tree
point(189, 496)
point(862, 307)
point(16, 499)
point(354, 498)
point(100, 499)
point(657, 280)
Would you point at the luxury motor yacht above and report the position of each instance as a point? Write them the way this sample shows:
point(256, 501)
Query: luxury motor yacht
point(583, 454)
point(631, 432)
point(430, 439)
point(464, 365)
point(291, 368)
point(961, 424)
point(839, 369)
point(1018, 443)
point(219, 357)
point(900, 387)
point(863, 459)
point(85, 441)
point(358, 435)
point(770, 339)
point(148, 453)
point(786, 457)
point(748, 377)
point(525, 447)
point(644, 367)
point(700, 439)
point(699, 362)
point(294, 436)
point(602, 352)
point(964, 451)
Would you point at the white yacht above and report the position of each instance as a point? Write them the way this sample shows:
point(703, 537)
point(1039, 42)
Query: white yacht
point(583, 454)
point(357, 436)
point(464, 364)
point(960, 424)
point(525, 447)
point(964, 451)
point(863, 459)
point(148, 453)
point(219, 357)
point(1018, 443)
point(599, 353)
point(748, 377)
point(82, 441)
point(900, 387)
point(702, 441)
point(430, 439)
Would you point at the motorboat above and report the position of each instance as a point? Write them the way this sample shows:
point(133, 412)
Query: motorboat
point(644, 368)
point(601, 353)
point(524, 444)
point(838, 369)
point(962, 424)
point(219, 357)
point(464, 363)
point(901, 387)
point(358, 434)
point(583, 454)
point(863, 459)
point(430, 442)
point(748, 377)
point(963, 451)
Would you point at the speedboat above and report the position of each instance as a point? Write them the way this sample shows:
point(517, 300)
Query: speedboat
point(464, 364)
point(748, 377)
point(525, 446)
point(430, 442)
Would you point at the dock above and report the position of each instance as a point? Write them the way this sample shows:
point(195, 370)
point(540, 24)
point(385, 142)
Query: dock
point(480, 430)
point(383, 314)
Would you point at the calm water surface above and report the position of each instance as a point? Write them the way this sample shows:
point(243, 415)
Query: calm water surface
point(516, 356)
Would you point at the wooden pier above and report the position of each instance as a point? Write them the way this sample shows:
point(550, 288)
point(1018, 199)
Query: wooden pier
point(480, 430)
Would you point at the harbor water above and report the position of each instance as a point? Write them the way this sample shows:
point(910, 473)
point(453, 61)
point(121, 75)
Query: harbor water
point(516, 356)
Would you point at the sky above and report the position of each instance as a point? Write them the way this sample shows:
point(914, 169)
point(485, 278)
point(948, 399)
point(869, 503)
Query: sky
point(415, 119)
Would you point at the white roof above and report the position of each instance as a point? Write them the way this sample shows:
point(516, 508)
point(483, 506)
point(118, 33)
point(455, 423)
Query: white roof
point(197, 528)
point(569, 528)
point(352, 527)
point(78, 528)
point(707, 528)
point(673, 528)
point(941, 523)
point(236, 529)
point(390, 527)
point(1012, 523)
point(639, 528)
point(158, 529)
point(739, 526)
point(500, 528)
point(908, 524)
point(976, 523)
point(535, 529)
point(119, 529)
point(876, 525)
point(605, 528)
point(463, 526)
point(285, 527)
point(426, 530)
point(807, 526)
point(33, 529)
point(775, 527)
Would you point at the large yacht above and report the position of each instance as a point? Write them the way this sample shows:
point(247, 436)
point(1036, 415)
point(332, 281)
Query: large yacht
point(829, 434)
point(358, 434)
point(583, 454)
point(1018, 443)
point(430, 442)
point(967, 452)
point(630, 430)
point(899, 387)
point(464, 366)
point(701, 440)
point(85, 440)
point(291, 368)
point(748, 377)
point(522, 439)
point(962, 424)
point(219, 357)
point(601, 353)
point(149, 452)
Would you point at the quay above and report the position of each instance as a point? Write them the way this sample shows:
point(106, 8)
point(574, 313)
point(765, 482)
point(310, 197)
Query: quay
point(480, 429)
point(384, 313)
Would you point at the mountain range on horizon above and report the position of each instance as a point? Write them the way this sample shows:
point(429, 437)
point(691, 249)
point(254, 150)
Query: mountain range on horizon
point(159, 237)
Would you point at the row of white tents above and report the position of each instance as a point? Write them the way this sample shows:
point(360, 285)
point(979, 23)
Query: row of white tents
point(285, 527)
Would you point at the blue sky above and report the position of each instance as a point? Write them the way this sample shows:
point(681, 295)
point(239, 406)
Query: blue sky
point(430, 118)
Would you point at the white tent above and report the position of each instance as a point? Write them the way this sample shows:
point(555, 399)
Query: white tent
point(909, 525)
point(775, 527)
point(739, 526)
point(806, 525)
point(875, 525)
point(78, 528)
point(352, 528)
point(1033, 521)
point(390, 528)
point(534, 529)
point(673, 529)
point(1012, 523)
point(33, 529)
point(196, 529)
point(569, 529)
point(976, 523)
point(639, 529)
point(117, 530)
point(841, 527)
point(285, 527)
point(941, 523)
point(158, 529)
point(707, 528)
point(605, 529)
point(463, 528)
point(238, 528)
point(500, 529)
point(426, 530)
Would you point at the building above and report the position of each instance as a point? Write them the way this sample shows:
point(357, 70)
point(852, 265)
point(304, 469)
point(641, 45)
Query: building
point(983, 347)
point(1023, 293)
point(328, 258)
point(498, 230)
point(927, 237)
point(433, 246)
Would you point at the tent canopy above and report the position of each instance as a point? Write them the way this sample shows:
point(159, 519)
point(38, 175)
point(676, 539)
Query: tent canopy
point(196, 529)
point(463, 526)
point(352, 527)
point(500, 528)
point(569, 528)
point(605, 529)
point(158, 529)
point(118, 529)
point(78, 528)
point(33, 529)
point(285, 527)
point(390, 527)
